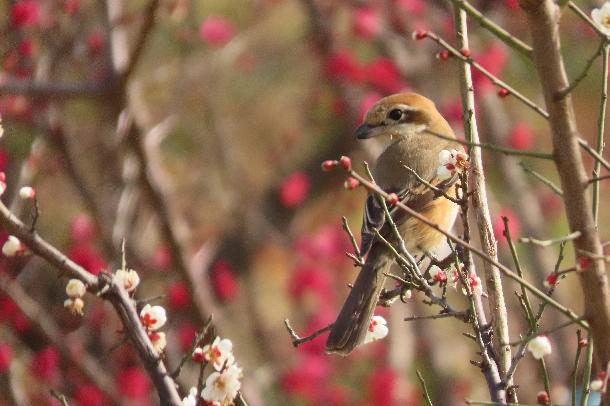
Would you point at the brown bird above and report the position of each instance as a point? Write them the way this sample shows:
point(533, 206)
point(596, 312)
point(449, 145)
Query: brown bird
point(408, 120)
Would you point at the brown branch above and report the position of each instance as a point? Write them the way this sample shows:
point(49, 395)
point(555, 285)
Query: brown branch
point(543, 20)
point(43, 322)
point(124, 305)
point(297, 340)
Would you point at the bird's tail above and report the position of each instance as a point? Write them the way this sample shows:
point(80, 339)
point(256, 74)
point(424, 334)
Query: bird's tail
point(353, 321)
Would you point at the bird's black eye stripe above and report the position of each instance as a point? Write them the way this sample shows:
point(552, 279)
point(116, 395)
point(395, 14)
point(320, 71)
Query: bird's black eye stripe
point(395, 114)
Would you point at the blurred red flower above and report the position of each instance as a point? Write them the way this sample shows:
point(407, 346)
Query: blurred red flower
point(45, 364)
point(162, 258)
point(366, 22)
point(224, 282)
point(178, 295)
point(494, 59)
point(24, 13)
point(381, 386)
point(82, 228)
point(310, 279)
point(521, 136)
point(186, 334)
point(308, 378)
point(413, 7)
point(294, 190)
point(216, 31)
point(89, 395)
point(6, 356)
point(342, 65)
point(133, 383)
point(88, 257)
point(513, 224)
point(366, 102)
point(384, 76)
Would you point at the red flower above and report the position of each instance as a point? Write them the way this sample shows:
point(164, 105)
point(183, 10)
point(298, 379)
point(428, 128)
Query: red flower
point(82, 228)
point(382, 385)
point(216, 31)
point(6, 356)
point(367, 101)
point(342, 65)
point(178, 295)
point(494, 60)
point(294, 190)
point(513, 224)
point(186, 335)
point(224, 282)
point(88, 257)
point(310, 280)
point(45, 364)
point(24, 13)
point(521, 137)
point(384, 76)
point(366, 22)
point(89, 395)
point(133, 383)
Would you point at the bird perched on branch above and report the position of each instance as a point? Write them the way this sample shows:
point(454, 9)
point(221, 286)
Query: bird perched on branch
point(408, 120)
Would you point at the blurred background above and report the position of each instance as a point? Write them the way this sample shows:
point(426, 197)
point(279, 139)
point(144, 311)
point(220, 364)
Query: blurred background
point(195, 130)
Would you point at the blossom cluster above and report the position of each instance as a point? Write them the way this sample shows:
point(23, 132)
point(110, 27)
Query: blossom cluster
point(451, 277)
point(222, 385)
point(75, 289)
point(450, 163)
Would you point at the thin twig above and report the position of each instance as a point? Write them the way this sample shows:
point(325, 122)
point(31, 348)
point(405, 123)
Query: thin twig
point(601, 125)
point(594, 154)
point(587, 20)
point(297, 340)
point(575, 370)
point(458, 315)
point(543, 333)
point(436, 190)
point(495, 80)
point(61, 398)
point(584, 72)
point(586, 376)
point(425, 393)
point(547, 243)
point(493, 147)
point(556, 189)
point(494, 28)
point(196, 342)
point(357, 256)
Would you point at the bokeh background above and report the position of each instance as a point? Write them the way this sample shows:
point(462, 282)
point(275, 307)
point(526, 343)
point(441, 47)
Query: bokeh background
point(235, 104)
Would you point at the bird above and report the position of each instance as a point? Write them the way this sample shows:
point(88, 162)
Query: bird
point(411, 125)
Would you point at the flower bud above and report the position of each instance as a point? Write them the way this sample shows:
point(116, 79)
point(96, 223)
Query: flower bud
point(12, 247)
point(345, 162)
point(419, 34)
point(328, 165)
point(27, 193)
point(75, 288)
point(351, 183)
point(75, 305)
point(392, 199)
point(503, 92)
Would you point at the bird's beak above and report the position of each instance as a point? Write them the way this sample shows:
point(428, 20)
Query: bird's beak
point(367, 131)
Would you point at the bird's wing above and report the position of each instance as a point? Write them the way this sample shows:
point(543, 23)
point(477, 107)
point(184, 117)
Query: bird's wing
point(415, 197)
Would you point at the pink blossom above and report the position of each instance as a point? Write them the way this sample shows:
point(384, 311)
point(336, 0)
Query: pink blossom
point(310, 280)
point(493, 59)
point(383, 74)
point(162, 258)
point(82, 228)
point(514, 227)
point(133, 383)
point(366, 102)
point(294, 189)
point(216, 31)
point(89, 395)
point(224, 282)
point(308, 378)
point(366, 22)
point(24, 13)
point(343, 66)
point(88, 257)
point(6, 356)
point(521, 136)
point(412, 7)
point(178, 295)
point(45, 364)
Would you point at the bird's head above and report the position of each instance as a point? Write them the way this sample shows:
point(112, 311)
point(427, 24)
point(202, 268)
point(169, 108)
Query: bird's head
point(399, 115)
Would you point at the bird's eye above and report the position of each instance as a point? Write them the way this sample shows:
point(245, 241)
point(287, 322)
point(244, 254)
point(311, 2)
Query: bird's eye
point(395, 114)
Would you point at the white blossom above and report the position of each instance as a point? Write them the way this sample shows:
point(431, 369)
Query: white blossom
point(601, 17)
point(158, 340)
point(378, 329)
point(75, 305)
point(437, 274)
point(191, 399)
point(153, 317)
point(27, 193)
point(539, 346)
point(75, 288)
point(219, 353)
point(597, 385)
point(128, 278)
point(450, 163)
point(12, 246)
point(222, 386)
